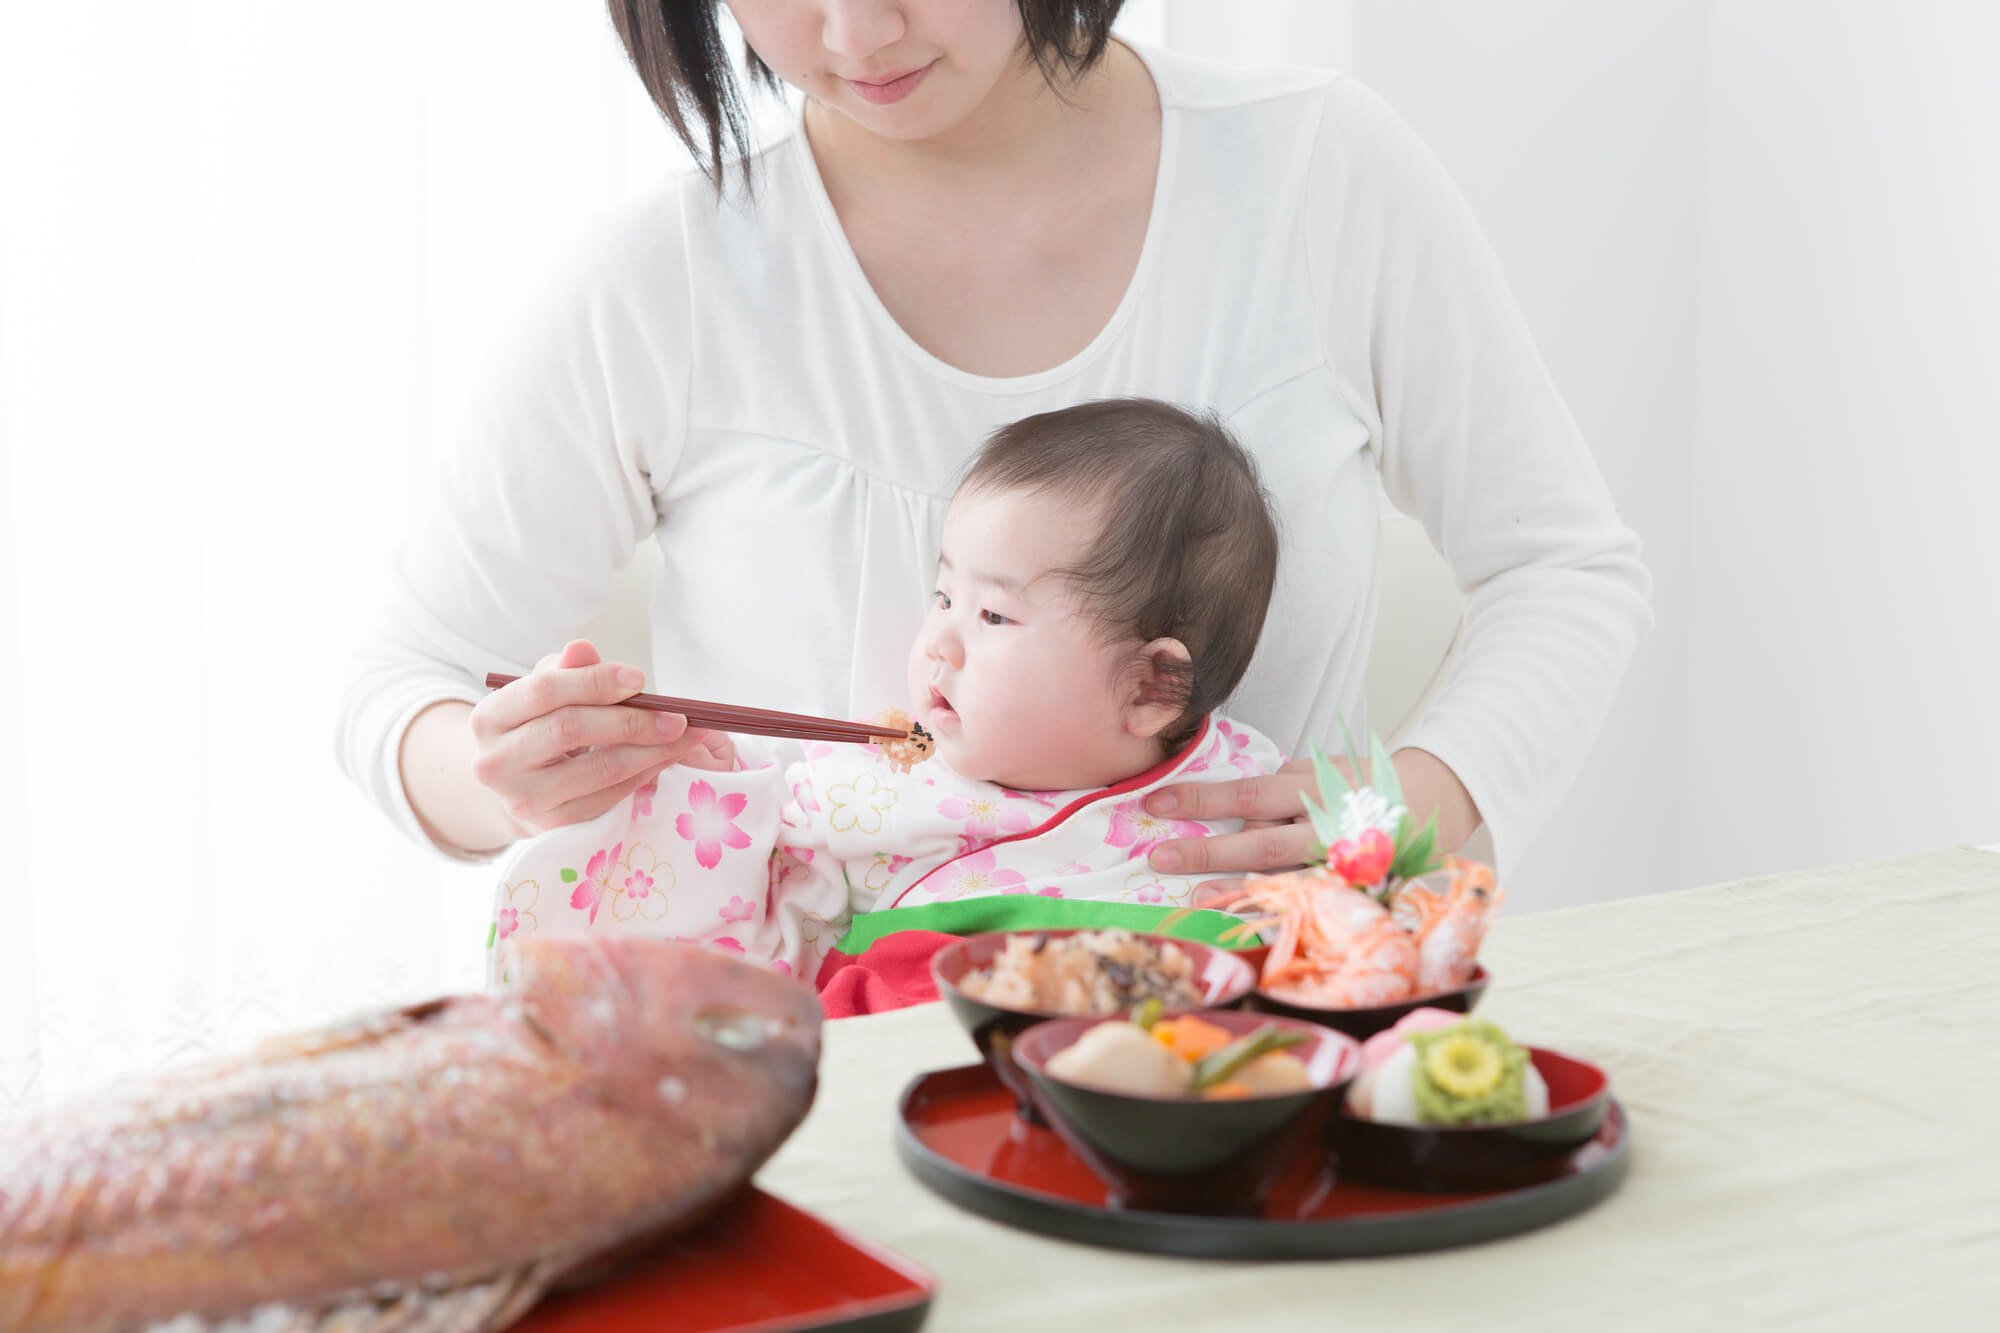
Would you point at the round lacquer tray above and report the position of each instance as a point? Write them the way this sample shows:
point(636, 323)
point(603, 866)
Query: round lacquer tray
point(958, 1133)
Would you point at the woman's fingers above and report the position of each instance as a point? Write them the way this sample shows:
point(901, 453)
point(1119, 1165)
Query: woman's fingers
point(1209, 890)
point(586, 808)
point(545, 691)
point(1279, 847)
point(1275, 835)
point(548, 797)
point(558, 747)
point(568, 733)
point(1275, 796)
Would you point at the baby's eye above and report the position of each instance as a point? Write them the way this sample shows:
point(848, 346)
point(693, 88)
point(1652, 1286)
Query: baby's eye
point(994, 618)
point(944, 602)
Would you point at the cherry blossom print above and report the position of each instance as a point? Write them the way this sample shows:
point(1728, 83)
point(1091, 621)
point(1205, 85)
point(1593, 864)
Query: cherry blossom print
point(1133, 828)
point(882, 870)
point(1236, 746)
point(594, 886)
point(518, 913)
point(642, 799)
point(736, 909)
point(976, 876)
point(1143, 886)
point(802, 793)
point(860, 805)
point(786, 866)
point(639, 887)
point(707, 823)
point(819, 934)
point(985, 816)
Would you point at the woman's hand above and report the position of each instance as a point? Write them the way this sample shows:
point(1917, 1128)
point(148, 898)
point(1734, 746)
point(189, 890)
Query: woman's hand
point(558, 750)
point(1276, 834)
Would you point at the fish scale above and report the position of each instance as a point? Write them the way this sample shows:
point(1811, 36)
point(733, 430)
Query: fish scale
point(426, 1170)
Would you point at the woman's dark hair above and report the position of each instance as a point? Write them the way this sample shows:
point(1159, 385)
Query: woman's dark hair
point(676, 46)
point(1187, 548)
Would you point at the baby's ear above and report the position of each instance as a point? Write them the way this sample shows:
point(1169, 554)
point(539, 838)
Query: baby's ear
point(1160, 687)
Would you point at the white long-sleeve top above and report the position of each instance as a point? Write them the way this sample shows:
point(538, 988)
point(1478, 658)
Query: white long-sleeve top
point(721, 375)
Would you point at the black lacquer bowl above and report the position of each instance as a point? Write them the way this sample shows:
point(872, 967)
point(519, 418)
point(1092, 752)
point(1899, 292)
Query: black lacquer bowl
point(1222, 977)
point(1361, 1024)
point(1457, 1158)
point(1188, 1155)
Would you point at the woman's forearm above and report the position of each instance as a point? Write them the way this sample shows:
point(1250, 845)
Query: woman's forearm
point(458, 812)
point(1429, 784)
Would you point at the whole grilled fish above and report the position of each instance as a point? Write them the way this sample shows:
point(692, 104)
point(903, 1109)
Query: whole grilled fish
point(435, 1168)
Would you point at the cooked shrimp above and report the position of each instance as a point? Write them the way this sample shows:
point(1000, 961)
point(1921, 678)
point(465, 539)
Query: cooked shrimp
point(1380, 968)
point(1448, 949)
point(1338, 947)
point(1416, 908)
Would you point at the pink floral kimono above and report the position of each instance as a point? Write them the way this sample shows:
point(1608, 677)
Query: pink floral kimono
point(779, 864)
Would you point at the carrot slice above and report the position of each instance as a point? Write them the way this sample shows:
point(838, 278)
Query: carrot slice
point(1190, 1037)
point(1219, 1092)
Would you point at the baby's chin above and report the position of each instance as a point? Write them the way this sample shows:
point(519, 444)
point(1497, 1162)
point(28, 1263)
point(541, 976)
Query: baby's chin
point(1017, 772)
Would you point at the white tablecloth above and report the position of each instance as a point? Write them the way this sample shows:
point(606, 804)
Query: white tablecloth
point(1811, 1063)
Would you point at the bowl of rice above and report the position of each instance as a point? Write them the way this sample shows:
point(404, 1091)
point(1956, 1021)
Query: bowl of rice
point(1002, 983)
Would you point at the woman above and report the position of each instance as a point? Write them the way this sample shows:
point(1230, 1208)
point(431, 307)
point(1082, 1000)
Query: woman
point(988, 209)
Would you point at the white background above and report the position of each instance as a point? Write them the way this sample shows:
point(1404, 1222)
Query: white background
point(252, 253)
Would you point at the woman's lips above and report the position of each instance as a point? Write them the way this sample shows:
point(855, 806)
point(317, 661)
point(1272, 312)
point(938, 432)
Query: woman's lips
point(882, 92)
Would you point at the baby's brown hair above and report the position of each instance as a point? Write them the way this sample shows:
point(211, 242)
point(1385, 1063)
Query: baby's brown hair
point(1188, 547)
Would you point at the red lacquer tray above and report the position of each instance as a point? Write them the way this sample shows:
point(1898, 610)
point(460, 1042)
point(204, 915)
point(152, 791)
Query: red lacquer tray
point(758, 1266)
point(958, 1133)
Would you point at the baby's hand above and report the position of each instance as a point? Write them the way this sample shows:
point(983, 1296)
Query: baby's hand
point(713, 750)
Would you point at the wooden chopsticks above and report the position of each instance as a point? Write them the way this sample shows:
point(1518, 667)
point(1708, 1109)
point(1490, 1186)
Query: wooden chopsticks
point(753, 721)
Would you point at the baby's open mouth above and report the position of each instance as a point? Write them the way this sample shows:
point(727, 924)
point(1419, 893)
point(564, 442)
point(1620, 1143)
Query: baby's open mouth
point(940, 704)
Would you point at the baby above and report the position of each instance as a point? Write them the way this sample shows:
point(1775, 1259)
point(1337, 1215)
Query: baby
point(1101, 584)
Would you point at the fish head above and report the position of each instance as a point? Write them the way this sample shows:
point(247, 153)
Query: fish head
point(699, 1033)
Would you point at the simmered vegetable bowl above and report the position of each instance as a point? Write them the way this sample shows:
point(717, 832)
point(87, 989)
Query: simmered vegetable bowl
point(1186, 1056)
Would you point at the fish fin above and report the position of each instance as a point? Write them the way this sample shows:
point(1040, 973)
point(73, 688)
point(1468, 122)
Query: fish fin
point(360, 1030)
point(487, 1305)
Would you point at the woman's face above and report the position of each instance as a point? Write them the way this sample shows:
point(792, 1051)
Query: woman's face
point(1014, 683)
point(902, 69)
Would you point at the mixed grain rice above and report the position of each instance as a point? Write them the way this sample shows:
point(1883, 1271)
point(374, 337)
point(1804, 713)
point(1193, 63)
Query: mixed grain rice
point(1091, 972)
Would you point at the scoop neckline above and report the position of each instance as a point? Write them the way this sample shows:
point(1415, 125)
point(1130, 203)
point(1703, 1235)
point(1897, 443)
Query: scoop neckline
point(850, 263)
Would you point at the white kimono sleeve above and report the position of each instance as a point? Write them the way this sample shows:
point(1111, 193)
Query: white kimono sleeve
point(809, 895)
point(690, 857)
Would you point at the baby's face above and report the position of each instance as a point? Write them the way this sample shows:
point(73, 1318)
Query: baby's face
point(1016, 685)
